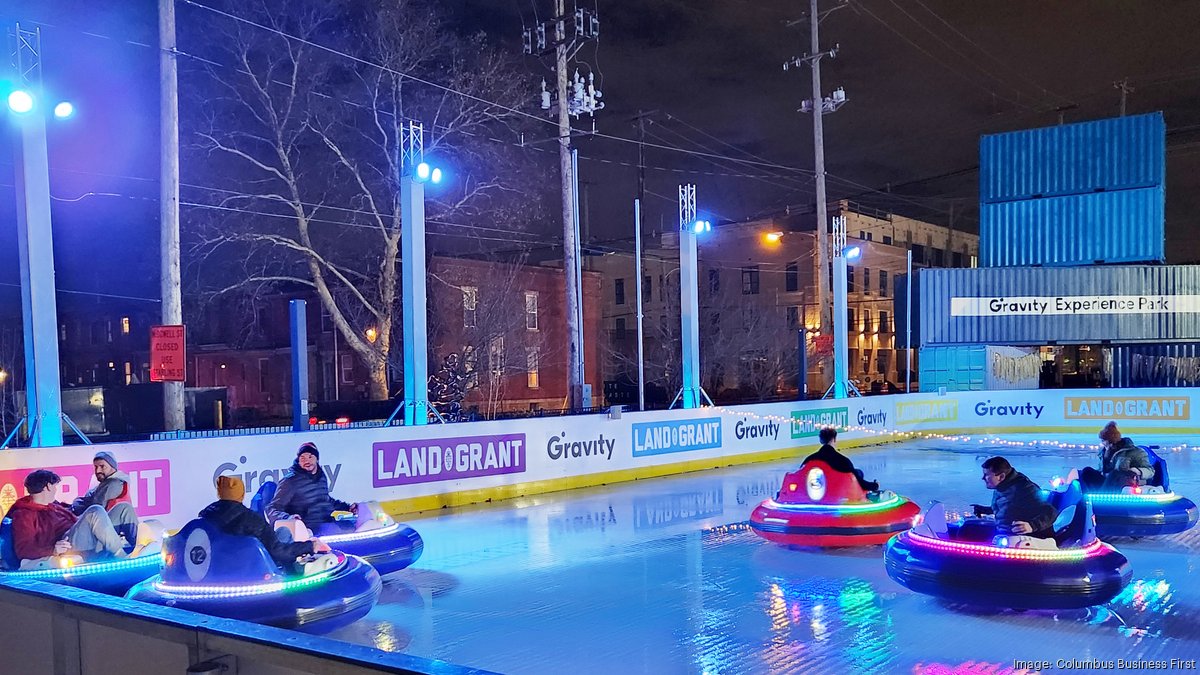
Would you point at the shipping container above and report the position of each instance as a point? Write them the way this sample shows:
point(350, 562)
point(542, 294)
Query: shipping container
point(1060, 305)
point(1159, 365)
point(1105, 227)
point(961, 368)
point(1120, 153)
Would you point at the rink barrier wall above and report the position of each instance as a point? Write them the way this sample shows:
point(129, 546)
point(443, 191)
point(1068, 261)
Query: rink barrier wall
point(412, 469)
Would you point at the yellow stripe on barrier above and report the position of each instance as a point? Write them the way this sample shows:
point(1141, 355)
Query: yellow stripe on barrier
point(398, 507)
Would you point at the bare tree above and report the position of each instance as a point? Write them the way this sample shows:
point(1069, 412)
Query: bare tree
point(307, 145)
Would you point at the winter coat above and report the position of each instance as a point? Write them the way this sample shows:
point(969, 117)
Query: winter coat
point(836, 460)
point(37, 527)
point(1126, 456)
point(1018, 498)
point(306, 495)
point(107, 494)
point(235, 519)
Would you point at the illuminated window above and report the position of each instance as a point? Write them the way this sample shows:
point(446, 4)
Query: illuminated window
point(532, 362)
point(125, 325)
point(470, 301)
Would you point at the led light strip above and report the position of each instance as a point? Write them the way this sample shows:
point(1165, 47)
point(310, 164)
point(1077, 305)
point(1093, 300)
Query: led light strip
point(1158, 498)
point(153, 561)
point(1095, 548)
point(240, 591)
point(360, 536)
point(896, 500)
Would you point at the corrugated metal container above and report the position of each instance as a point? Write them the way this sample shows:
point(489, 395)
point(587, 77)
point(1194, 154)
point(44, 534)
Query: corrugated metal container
point(1163, 365)
point(955, 368)
point(1105, 227)
point(976, 290)
point(1111, 154)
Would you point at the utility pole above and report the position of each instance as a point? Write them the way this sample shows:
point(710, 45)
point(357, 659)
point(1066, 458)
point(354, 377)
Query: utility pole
point(172, 298)
point(1126, 90)
point(637, 254)
point(818, 105)
point(574, 329)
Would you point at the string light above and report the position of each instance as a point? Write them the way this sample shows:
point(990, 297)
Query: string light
point(1093, 549)
point(361, 536)
point(244, 590)
point(151, 563)
point(885, 505)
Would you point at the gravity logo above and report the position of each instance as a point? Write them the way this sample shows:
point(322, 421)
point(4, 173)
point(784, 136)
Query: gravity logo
point(560, 448)
point(744, 429)
point(248, 476)
point(986, 409)
point(872, 418)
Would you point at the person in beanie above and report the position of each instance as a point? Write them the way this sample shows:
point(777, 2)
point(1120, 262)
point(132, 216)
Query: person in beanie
point(304, 492)
point(112, 485)
point(233, 518)
point(1122, 463)
point(44, 527)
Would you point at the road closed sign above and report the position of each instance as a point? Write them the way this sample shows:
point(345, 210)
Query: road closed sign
point(167, 357)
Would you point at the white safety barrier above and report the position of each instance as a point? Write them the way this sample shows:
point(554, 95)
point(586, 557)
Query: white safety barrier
point(416, 468)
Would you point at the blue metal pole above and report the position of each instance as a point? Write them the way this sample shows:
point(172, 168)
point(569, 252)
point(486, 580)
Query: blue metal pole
point(414, 301)
point(841, 327)
point(689, 313)
point(35, 244)
point(299, 321)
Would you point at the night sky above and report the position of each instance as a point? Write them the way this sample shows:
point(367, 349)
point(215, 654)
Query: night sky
point(924, 77)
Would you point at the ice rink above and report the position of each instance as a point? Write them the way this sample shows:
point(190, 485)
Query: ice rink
point(664, 576)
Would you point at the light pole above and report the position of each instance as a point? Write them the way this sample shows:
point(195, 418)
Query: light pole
point(415, 172)
point(842, 253)
point(690, 392)
point(28, 109)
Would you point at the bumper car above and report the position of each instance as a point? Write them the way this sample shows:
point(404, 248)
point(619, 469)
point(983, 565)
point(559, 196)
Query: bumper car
point(817, 506)
point(234, 577)
point(972, 562)
point(1144, 511)
point(111, 576)
point(372, 534)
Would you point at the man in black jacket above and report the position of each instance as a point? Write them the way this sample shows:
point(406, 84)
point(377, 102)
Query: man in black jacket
point(304, 492)
point(837, 461)
point(232, 517)
point(1017, 501)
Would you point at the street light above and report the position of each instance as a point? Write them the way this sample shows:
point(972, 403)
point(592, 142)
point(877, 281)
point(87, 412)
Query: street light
point(64, 110)
point(20, 101)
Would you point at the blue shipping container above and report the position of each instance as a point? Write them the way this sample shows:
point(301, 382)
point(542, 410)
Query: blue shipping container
point(1044, 305)
point(1104, 227)
point(961, 368)
point(1166, 365)
point(1120, 153)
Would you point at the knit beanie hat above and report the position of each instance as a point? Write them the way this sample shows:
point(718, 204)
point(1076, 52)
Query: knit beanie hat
point(106, 456)
point(231, 488)
point(310, 448)
point(1110, 433)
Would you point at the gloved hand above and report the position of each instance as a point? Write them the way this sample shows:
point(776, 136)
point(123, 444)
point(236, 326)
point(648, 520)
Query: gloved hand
point(980, 510)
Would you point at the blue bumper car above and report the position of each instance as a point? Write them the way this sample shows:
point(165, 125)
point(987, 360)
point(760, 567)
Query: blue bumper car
point(372, 534)
point(112, 577)
point(972, 563)
point(234, 577)
point(1145, 511)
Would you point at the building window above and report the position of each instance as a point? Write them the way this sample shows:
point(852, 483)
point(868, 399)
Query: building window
point(714, 282)
point(883, 358)
point(470, 363)
point(885, 325)
point(496, 356)
point(264, 375)
point(862, 234)
point(620, 331)
point(793, 317)
point(887, 239)
point(347, 368)
point(850, 318)
point(867, 280)
point(470, 303)
point(531, 369)
point(974, 261)
point(866, 361)
point(750, 280)
point(867, 327)
point(747, 317)
point(662, 288)
point(883, 283)
point(956, 259)
point(326, 322)
point(125, 325)
point(647, 287)
point(531, 310)
point(939, 257)
point(870, 236)
point(791, 276)
point(108, 331)
point(128, 373)
point(918, 252)
point(908, 237)
point(849, 279)
point(619, 291)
